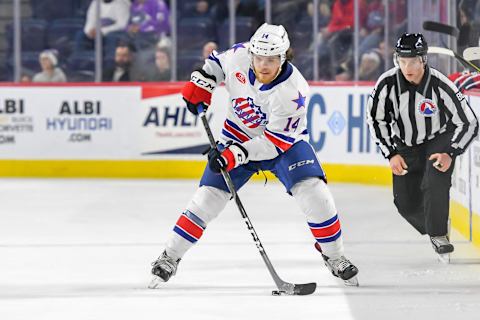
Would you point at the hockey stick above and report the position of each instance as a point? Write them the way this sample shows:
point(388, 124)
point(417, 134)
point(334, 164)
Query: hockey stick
point(451, 31)
point(472, 53)
point(441, 28)
point(283, 287)
point(452, 53)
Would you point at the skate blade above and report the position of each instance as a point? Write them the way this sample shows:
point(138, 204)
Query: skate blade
point(155, 283)
point(352, 282)
point(444, 258)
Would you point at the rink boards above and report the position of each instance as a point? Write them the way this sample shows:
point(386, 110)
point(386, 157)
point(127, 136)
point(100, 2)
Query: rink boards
point(145, 131)
point(465, 192)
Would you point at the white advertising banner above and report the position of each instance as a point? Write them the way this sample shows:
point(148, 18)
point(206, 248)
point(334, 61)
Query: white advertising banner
point(336, 117)
point(169, 130)
point(474, 152)
point(337, 125)
point(67, 122)
point(152, 122)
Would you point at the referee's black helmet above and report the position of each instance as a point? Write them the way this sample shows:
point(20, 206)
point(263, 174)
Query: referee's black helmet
point(411, 45)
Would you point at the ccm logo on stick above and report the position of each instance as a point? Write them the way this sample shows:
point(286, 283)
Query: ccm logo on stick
point(299, 164)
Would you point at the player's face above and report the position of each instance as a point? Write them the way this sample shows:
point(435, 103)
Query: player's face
point(412, 68)
point(266, 68)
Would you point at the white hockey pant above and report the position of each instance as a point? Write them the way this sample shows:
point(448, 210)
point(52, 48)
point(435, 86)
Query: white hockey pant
point(206, 204)
point(312, 195)
point(316, 202)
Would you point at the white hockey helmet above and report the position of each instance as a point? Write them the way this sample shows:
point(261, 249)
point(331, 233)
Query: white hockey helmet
point(270, 40)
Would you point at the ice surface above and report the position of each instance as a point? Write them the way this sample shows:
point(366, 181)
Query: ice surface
point(81, 249)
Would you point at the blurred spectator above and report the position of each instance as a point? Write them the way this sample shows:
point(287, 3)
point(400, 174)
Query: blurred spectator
point(469, 28)
point(336, 39)
point(165, 43)
point(199, 9)
point(162, 70)
point(50, 72)
point(343, 15)
point(149, 16)
point(374, 27)
point(122, 71)
point(114, 15)
point(288, 12)
point(202, 7)
point(26, 78)
point(371, 66)
point(208, 48)
point(324, 13)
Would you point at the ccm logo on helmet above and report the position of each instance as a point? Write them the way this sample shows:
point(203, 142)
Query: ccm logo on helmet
point(300, 164)
point(202, 83)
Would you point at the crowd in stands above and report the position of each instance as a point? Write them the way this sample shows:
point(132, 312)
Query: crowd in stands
point(58, 41)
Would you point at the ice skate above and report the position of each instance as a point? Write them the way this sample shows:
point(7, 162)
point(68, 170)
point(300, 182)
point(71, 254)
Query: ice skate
point(442, 247)
point(163, 268)
point(341, 268)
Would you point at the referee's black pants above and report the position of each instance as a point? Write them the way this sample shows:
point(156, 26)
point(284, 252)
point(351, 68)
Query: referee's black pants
point(422, 196)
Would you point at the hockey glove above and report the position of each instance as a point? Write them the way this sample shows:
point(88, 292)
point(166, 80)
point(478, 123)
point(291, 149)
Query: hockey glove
point(233, 156)
point(199, 90)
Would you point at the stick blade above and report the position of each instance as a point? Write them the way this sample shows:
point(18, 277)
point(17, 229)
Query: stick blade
point(440, 50)
point(472, 53)
point(441, 28)
point(304, 289)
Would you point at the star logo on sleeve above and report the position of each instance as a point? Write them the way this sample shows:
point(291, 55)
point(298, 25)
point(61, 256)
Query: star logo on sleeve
point(300, 101)
point(237, 46)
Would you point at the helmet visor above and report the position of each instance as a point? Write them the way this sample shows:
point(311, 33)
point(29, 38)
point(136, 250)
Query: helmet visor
point(259, 60)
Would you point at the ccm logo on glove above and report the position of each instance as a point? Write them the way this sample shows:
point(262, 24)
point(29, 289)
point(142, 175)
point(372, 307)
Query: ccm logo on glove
point(199, 90)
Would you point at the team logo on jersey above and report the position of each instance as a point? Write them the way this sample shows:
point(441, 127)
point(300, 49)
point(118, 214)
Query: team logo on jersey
point(250, 114)
point(427, 107)
point(240, 77)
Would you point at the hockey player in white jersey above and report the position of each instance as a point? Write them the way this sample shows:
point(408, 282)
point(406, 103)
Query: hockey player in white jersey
point(265, 129)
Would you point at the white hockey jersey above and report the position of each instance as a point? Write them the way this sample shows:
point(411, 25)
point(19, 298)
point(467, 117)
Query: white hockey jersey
point(266, 118)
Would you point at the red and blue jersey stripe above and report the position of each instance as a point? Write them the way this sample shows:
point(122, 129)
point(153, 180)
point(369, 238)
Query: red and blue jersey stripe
point(234, 132)
point(326, 231)
point(281, 141)
point(189, 226)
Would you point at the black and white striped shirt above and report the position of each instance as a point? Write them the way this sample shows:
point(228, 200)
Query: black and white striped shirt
point(418, 113)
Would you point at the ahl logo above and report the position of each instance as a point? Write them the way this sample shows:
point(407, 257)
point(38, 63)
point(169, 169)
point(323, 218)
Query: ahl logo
point(250, 114)
point(427, 107)
point(300, 164)
point(240, 77)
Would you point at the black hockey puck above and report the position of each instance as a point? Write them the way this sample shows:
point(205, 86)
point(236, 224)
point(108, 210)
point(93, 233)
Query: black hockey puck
point(277, 292)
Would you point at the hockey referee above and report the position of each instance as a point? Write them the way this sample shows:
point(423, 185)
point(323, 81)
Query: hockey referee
point(421, 122)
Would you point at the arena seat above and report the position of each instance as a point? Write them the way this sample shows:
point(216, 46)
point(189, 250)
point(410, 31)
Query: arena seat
point(61, 35)
point(83, 61)
point(244, 28)
point(52, 9)
point(193, 33)
point(186, 62)
point(32, 34)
